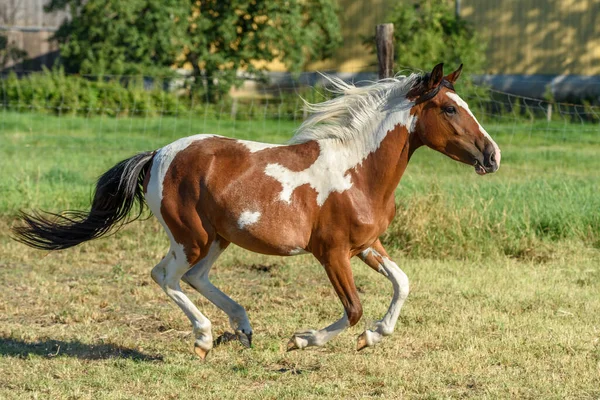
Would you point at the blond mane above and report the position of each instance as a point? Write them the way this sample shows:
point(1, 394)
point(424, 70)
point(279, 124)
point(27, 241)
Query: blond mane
point(346, 116)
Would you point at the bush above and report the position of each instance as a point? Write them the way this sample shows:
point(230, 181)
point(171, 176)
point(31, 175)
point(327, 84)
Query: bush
point(54, 92)
point(427, 32)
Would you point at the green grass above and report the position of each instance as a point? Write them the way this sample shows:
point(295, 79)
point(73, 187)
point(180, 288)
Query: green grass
point(504, 271)
point(545, 191)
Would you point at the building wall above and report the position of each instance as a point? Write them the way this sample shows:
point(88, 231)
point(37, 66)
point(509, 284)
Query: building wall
point(30, 28)
point(358, 19)
point(525, 37)
point(551, 37)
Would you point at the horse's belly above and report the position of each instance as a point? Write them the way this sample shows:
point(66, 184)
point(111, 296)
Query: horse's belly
point(276, 237)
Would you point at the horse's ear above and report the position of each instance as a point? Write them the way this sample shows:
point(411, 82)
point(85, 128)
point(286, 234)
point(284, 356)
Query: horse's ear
point(436, 76)
point(454, 76)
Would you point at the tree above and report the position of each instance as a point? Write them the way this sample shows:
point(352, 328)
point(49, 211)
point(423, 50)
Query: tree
point(216, 38)
point(428, 32)
point(227, 35)
point(121, 37)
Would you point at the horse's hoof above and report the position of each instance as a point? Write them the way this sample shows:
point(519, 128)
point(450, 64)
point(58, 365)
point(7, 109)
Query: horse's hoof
point(291, 346)
point(200, 352)
point(362, 343)
point(244, 339)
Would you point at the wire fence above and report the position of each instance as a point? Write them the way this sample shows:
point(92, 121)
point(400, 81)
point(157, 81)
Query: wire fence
point(60, 106)
point(52, 148)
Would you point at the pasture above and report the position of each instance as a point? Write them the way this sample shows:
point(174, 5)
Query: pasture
point(504, 271)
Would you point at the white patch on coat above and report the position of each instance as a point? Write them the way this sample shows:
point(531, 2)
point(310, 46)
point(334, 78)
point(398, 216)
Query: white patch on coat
point(297, 251)
point(248, 218)
point(463, 104)
point(330, 171)
point(160, 165)
point(154, 191)
point(347, 128)
point(253, 147)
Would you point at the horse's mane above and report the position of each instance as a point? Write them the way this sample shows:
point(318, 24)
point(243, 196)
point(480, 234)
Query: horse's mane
point(345, 117)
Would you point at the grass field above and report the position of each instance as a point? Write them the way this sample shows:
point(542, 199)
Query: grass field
point(504, 269)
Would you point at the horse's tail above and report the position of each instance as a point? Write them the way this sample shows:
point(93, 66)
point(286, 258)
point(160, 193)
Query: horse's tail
point(117, 191)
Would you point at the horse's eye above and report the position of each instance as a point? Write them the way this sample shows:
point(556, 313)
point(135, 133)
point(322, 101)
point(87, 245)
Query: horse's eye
point(450, 110)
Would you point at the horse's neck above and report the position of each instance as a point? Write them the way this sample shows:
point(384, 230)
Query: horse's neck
point(381, 170)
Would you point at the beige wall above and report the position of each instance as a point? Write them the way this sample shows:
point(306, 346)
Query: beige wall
point(27, 26)
point(538, 36)
point(358, 19)
point(524, 36)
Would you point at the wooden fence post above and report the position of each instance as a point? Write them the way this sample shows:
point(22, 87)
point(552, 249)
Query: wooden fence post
point(384, 36)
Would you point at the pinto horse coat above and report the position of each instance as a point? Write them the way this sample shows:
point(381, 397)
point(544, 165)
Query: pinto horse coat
point(329, 192)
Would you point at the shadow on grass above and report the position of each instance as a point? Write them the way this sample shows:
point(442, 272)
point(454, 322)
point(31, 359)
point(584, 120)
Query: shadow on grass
point(56, 348)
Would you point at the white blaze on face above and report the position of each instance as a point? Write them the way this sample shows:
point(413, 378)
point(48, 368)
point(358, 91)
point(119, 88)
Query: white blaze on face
point(248, 218)
point(463, 104)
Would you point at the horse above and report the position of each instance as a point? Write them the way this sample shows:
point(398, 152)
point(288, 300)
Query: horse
point(329, 191)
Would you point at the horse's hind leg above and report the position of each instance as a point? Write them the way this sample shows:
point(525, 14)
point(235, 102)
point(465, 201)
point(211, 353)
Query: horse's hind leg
point(197, 277)
point(167, 274)
point(377, 258)
point(339, 272)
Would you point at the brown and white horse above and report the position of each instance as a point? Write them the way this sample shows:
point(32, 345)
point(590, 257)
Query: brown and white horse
point(329, 192)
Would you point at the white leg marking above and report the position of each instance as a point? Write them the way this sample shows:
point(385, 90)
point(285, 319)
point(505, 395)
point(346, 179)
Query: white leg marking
point(311, 337)
point(197, 277)
point(170, 270)
point(167, 274)
point(248, 218)
point(399, 280)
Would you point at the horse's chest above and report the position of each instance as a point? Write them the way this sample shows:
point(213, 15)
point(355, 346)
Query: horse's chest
point(369, 224)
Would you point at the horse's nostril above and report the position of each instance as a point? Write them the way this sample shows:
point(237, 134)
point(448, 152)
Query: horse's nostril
point(492, 163)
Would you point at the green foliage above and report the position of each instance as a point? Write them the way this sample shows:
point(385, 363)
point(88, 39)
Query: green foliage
point(54, 92)
point(121, 37)
point(225, 36)
point(489, 221)
point(215, 37)
point(427, 32)
point(9, 52)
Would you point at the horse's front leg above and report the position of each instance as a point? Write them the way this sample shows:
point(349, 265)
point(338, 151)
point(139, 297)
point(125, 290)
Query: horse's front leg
point(376, 257)
point(337, 266)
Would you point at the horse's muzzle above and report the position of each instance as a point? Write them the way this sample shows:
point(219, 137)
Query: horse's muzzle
point(491, 160)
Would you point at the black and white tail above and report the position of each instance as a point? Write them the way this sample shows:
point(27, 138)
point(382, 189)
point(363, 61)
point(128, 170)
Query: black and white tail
point(117, 191)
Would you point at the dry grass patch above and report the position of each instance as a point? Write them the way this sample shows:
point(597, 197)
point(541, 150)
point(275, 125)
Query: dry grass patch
point(90, 323)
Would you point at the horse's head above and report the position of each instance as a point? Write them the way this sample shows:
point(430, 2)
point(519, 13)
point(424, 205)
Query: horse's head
point(445, 123)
